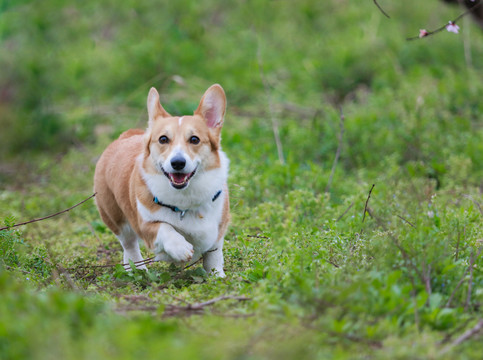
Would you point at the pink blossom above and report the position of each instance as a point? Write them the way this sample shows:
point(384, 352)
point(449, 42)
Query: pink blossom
point(452, 27)
point(423, 33)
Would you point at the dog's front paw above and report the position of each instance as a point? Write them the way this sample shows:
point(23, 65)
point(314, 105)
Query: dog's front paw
point(179, 250)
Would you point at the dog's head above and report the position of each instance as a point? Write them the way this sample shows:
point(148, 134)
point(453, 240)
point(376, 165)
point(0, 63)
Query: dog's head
point(181, 147)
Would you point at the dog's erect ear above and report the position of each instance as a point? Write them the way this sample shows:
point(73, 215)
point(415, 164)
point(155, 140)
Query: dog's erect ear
point(155, 108)
point(212, 106)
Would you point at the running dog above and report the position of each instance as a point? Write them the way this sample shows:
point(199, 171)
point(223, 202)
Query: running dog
point(168, 185)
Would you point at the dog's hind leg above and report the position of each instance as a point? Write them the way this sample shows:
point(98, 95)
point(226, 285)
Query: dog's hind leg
point(213, 261)
point(129, 241)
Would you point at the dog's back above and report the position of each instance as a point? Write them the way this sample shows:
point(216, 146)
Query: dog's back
point(111, 178)
point(129, 133)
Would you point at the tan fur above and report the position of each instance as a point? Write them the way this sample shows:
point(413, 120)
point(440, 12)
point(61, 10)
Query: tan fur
point(118, 179)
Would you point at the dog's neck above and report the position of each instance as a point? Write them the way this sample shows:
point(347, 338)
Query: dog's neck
point(182, 212)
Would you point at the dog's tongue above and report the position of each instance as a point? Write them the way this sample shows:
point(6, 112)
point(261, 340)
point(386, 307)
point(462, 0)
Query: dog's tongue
point(179, 178)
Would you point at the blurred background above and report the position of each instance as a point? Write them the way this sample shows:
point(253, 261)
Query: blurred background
point(73, 71)
point(325, 99)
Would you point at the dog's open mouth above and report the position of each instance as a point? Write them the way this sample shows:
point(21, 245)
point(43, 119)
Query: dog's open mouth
point(179, 180)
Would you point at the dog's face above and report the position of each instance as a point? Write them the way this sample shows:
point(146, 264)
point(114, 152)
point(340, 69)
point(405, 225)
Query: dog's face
point(181, 147)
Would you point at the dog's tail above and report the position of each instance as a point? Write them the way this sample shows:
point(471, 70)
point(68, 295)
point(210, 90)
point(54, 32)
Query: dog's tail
point(131, 132)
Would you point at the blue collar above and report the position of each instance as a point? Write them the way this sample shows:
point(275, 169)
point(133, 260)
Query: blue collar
point(181, 211)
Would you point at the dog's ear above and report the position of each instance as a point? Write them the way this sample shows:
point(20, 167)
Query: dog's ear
point(155, 108)
point(212, 106)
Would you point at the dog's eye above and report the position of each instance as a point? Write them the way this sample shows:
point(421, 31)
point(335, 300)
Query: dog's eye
point(195, 140)
point(163, 139)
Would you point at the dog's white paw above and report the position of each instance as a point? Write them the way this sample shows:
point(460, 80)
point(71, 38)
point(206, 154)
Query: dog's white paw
point(179, 250)
point(219, 273)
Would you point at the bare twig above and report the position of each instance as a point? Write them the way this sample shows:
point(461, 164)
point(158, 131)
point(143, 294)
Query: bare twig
point(427, 280)
point(337, 153)
point(465, 336)
point(345, 212)
point(458, 328)
point(406, 221)
point(187, 309)
point(429, 33)
point(193, 264)
point(367, 202)
point(49, 216)
point(332, 263)
point(137, 263)
point(381, 10)
point(220, 298)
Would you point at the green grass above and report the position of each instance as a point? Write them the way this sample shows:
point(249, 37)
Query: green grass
point(324, 281)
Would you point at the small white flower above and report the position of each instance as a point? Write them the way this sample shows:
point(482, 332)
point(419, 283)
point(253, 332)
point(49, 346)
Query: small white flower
point(452, 27)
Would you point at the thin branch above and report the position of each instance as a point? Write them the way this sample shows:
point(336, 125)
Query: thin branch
point(147, 261)
point(427, 282)
point(406, 221)
point(188, 309)
point(367, 202)
point(381, 10)
point(332, 263)
point(465, 336)
point(193, 264)
point(425, 33)
point(137, 263)
point(49, 216)
point(337, 153)
point(345, 212)
point(220, 298)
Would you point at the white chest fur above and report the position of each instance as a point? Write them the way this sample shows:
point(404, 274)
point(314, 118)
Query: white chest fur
point(199, 226)
point(200, 223)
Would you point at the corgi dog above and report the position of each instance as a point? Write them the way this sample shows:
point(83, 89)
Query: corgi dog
point(168, 185)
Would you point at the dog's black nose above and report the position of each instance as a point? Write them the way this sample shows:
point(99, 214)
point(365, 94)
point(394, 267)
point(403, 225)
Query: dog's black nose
point(178, 162)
